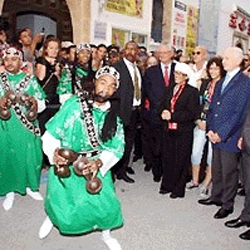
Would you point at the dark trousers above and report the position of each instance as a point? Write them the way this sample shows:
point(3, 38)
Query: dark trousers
point(225, 176)
point(130, 133)
point(43, 118)
point(177, 148)
point(245, 167)
point(152, 134)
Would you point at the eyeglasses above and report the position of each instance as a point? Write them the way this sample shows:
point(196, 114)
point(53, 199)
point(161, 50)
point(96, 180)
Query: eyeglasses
point(196, 53)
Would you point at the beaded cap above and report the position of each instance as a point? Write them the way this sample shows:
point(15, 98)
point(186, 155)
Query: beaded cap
point(109, 70)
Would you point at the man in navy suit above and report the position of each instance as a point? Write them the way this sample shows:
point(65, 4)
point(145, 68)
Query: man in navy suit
point(157, 81)
point(224, 122)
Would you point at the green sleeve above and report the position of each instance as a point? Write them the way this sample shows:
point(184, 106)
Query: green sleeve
point(34, 89)
point(61, 122)
point(65, 85)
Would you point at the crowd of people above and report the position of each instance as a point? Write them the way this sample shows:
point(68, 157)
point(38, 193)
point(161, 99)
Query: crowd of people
point(84, 112)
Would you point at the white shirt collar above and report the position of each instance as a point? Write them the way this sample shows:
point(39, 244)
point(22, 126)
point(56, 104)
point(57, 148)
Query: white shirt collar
point(103, 107)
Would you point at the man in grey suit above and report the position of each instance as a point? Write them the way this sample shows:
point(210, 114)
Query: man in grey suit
point(244, 145)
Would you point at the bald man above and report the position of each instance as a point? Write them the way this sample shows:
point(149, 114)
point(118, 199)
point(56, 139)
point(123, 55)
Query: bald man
point(224, 122)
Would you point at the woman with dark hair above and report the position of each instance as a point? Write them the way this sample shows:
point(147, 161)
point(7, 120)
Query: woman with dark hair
point(47, 72)
point(72, 80)
point(180, 111)
point(215, 72)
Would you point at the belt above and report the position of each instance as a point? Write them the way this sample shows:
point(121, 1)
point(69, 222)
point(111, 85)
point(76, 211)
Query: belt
point(136, 108)
point(89, 154)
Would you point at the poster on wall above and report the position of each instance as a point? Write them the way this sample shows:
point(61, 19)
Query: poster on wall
point(119, 37)
point(126, 7)
point(100, 30)
point(140, 39)
point(179, 25)
point(192, 29)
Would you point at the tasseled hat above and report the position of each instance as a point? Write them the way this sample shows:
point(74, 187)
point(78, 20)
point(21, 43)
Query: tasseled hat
point(109, 70)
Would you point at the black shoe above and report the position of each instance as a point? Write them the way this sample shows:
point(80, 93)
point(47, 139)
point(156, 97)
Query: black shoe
point(163, 191)
point(125, 178)
point(130, 170)
point(173, 196)
point(223, 213)
point(136, 158)
point(147, 168)
point(245, 235)
point(157, 178)
point(242, 192)
point(209, 202)
point(237, 223)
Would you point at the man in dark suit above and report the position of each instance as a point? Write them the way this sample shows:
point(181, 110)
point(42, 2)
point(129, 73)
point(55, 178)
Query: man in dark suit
point(244, 145)
point(157, 81)
point(224, 122)
point(129, 95)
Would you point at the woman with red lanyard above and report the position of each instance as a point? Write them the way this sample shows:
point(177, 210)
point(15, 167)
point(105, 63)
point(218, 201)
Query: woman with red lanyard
point(180, 110)
point(215, 72)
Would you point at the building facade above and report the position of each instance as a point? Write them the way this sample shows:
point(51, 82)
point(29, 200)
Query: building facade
point(224, 23)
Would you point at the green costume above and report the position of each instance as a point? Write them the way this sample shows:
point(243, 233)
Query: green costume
point(65, 82)
point(21, 149)
point(69, 206)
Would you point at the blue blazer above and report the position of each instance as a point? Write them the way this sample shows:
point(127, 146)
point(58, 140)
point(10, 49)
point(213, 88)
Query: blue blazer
point(227, 111)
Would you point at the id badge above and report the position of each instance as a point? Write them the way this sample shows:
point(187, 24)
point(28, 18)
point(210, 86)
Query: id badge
point(172, 126)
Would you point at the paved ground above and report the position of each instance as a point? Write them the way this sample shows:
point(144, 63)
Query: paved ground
point(152, 222)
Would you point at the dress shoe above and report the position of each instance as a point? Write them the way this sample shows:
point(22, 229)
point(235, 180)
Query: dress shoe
point(242, 192)
point(209, 202)
point(223, 213)
point(245, 235)
point(157, 178)
point(130, 170)
point(147, 168)
point(125, 178)
point(173, 196)
point(163, 191)
point(136, 158)
point(236, 223)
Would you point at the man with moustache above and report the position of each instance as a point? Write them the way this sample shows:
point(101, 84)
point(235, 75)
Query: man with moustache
point(129, 94)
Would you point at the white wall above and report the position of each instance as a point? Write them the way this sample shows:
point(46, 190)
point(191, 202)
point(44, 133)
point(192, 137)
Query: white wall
point(114, 20)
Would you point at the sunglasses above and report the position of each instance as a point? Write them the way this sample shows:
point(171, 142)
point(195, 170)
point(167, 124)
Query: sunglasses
point(196, 53)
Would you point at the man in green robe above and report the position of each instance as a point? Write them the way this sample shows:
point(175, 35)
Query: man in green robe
point(68, 205)
point(21, 146)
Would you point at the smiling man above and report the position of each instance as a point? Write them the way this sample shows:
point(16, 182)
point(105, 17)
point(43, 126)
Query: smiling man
point(224, 122)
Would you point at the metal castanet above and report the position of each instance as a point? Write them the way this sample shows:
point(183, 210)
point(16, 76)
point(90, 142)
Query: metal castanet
point(31, 113)
point(93, 184)
point(63, 170)
point(11, 98)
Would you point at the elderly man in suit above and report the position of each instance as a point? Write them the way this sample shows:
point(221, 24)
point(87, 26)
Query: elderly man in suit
point(129, 95)
point(244, 145)
point(157, 80)
point(224, 122)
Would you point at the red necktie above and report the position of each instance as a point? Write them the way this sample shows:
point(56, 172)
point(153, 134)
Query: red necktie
point(166, 78)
